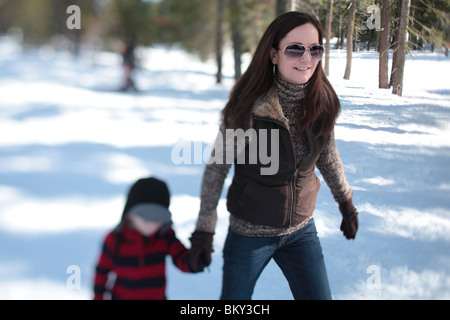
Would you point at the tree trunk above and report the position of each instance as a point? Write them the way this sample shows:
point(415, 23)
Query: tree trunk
point(340, 43)
point(394, 45)
point(351, 27)
point(236, 37)
point(283, 6)
point(219, 39)
point(383, 80)
point(397, 72)
point(328, 23)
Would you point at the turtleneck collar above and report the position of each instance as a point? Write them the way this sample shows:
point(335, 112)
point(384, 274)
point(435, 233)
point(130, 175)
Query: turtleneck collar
point(289, 93)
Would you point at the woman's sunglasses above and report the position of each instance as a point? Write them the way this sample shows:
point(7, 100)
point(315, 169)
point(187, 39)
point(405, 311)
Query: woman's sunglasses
point(296, 51)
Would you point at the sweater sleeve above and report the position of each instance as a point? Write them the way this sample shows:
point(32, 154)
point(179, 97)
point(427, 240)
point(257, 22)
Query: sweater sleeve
point(332, 170)
point(104, 266)
point(214, 176)
point(177, 251)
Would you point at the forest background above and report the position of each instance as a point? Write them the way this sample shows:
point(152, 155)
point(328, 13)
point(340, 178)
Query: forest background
point(206, 27)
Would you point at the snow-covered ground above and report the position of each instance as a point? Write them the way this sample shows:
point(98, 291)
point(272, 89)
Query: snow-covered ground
point(71, 145)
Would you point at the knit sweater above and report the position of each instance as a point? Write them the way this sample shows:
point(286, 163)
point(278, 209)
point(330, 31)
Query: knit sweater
point(138, 264)
point(290, 97)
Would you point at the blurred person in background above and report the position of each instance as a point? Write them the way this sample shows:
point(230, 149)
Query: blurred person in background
point(129, 65)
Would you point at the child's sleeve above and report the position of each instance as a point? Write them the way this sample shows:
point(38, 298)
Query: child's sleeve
point(104, 266)
point(178, 252)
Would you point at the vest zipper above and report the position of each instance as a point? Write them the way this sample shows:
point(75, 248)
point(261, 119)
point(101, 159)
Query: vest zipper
point(292, 211)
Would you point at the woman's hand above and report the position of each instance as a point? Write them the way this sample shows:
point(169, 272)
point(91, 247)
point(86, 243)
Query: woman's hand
point(201, 249)
point(349, 224)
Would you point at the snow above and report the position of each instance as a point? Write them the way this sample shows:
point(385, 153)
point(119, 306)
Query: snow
point(71, 145)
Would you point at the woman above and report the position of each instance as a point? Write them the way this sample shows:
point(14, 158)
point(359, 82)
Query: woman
point(284, 89)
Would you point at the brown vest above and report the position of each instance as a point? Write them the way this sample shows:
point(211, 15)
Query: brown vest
point(289, 196)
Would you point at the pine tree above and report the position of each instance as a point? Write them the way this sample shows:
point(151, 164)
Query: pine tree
point(350, 30)
point(328, 24)
point(236, 37)
point(398, 68)
point(219, 39)
point(383, 79)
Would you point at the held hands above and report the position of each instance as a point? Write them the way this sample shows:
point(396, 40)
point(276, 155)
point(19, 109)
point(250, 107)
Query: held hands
point(202, 241)
point(201, 249)
point(349, 224)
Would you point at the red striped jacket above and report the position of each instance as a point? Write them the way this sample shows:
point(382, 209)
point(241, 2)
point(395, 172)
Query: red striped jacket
point(138, 263)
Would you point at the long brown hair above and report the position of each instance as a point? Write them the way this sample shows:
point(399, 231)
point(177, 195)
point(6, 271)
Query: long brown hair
point(322, 104)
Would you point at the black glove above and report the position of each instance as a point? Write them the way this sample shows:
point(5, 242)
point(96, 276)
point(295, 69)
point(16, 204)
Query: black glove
point(201, 249)
point(349, 224)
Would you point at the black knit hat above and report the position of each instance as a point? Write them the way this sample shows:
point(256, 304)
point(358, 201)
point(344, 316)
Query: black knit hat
point(147, 190)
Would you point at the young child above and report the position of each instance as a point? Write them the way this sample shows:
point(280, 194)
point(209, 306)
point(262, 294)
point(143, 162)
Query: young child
point(135, 251)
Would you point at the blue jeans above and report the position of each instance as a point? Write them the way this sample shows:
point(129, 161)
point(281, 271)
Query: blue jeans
point(299, 256)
